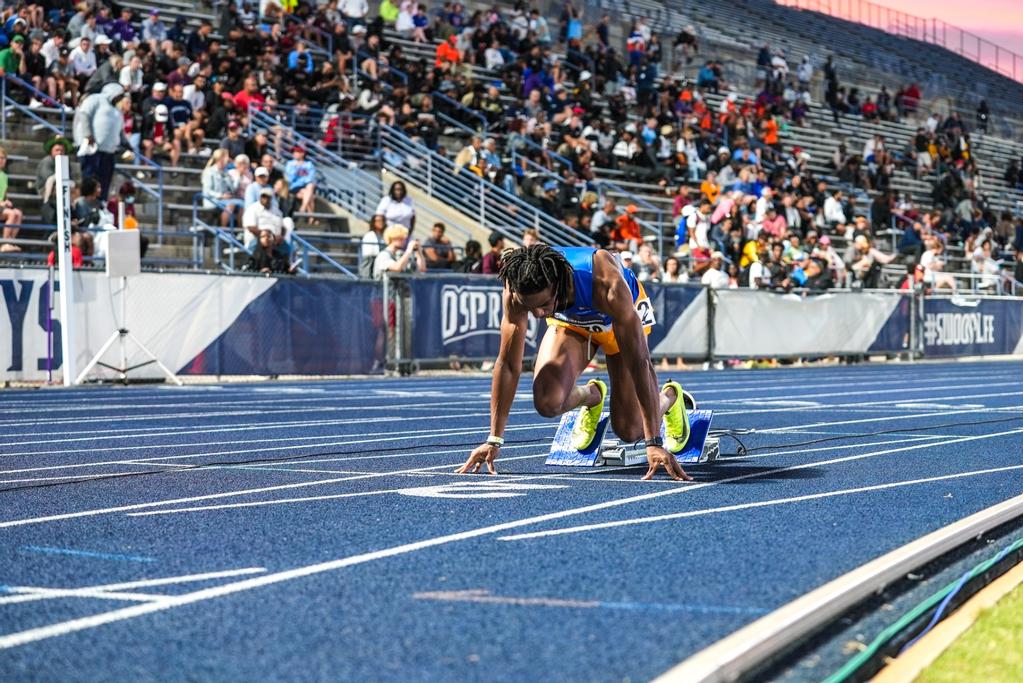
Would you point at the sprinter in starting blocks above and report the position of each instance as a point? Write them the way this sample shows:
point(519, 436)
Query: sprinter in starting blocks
point(592, 303)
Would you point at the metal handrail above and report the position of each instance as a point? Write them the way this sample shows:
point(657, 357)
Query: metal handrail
point(489, 204)
point(549, 152)
point(458, 106)
point(338, 179)
point(219, 235)
point(28, 111)
point(315, 30)
point(457, 124)
point(306, 249)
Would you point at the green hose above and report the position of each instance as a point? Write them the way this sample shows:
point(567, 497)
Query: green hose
point(861, 658)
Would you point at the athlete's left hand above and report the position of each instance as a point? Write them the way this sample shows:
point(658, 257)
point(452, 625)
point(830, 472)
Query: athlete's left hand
point(658, 457)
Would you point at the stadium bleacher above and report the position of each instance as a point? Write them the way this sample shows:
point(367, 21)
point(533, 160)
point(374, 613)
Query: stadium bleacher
point(353, 166)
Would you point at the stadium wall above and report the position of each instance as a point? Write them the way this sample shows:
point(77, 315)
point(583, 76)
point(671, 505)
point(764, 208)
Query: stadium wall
point(207, 324)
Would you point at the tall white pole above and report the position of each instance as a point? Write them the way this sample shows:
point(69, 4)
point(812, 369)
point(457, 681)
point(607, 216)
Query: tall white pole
point(67, 290)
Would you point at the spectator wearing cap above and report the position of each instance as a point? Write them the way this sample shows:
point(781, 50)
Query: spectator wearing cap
point(234, 143)
point(99, 123)
point(264, 216)
point(12, 58)
point(549, 202)
point(154, 31)
point(180, 73)
point(102, 47)
point(123, 29)
point(301, 177)
point(56, 146)
point(396, 206)
point(492, 259)
point(448, 56)
point(261, 181)
point(626, 231)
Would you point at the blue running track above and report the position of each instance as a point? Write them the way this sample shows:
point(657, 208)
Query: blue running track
point(344, 548)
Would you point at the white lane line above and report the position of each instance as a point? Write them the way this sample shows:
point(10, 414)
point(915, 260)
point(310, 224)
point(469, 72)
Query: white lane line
point(748, 506)
point(711, 390)
point(106, 434)
point(268, 449)
point(31, 594)
point(228, 494)
point(287, 401)
point(109, 588)
point(258, 503)
point(74, 625)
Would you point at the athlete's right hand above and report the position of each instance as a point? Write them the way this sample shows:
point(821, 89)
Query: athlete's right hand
point(486, 453)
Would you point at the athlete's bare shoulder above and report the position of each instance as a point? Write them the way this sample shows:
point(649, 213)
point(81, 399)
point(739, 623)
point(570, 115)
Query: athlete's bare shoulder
point(608, 283)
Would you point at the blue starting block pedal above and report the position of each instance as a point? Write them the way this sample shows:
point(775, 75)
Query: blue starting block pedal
point(701, 447)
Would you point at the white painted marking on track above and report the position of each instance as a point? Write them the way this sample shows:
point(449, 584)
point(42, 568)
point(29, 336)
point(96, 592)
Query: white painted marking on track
point(758, 504)
point(50, 593)
point(484, 488)
point(144, 583)
point(75, 625)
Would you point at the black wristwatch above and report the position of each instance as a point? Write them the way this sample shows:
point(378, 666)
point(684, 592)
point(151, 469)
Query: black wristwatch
point(656, 441)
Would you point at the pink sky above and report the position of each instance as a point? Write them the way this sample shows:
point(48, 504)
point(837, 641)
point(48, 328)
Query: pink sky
point(1000, 21)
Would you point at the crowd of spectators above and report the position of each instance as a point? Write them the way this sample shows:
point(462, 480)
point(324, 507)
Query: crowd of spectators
point(562, 104)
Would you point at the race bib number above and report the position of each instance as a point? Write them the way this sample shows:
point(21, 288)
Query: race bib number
point(646, 312)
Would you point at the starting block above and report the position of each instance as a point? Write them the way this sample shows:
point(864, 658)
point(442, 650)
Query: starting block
point(701, 447)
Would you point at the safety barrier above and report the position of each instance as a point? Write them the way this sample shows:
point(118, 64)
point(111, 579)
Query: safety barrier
point(441, 318)
point(256, 324)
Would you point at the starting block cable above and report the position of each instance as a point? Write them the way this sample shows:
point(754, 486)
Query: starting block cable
point(718, 433)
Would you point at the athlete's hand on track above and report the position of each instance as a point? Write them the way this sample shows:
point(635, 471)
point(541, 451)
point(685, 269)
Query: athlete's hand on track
point(486, 453)
point(658, 457)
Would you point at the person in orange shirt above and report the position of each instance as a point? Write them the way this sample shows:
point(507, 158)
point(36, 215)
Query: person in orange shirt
point(770, 128)
point(448, 54)
point(626, 229)
point(710, 188)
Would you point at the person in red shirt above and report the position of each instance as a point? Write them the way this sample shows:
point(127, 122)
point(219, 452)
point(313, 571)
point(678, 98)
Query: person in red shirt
point(248, 94)
point(492, 259)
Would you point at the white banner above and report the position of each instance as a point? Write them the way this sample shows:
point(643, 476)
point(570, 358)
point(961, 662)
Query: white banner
point(687, 334)
point(753, 323)
point(176, 315)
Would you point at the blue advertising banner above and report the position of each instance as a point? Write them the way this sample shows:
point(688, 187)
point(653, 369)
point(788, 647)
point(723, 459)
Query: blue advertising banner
point(893, 337)
point(301, 327)
point(460, 315)
point(968, 326)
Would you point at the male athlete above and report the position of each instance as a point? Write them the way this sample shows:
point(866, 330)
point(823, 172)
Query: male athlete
point(590, 301)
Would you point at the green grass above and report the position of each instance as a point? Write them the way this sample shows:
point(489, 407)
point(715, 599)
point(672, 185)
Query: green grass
point(991, 651)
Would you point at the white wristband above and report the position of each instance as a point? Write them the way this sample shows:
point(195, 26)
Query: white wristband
point(495, 440)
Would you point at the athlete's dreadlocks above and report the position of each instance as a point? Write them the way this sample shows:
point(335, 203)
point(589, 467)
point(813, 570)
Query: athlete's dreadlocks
point(529, 270)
